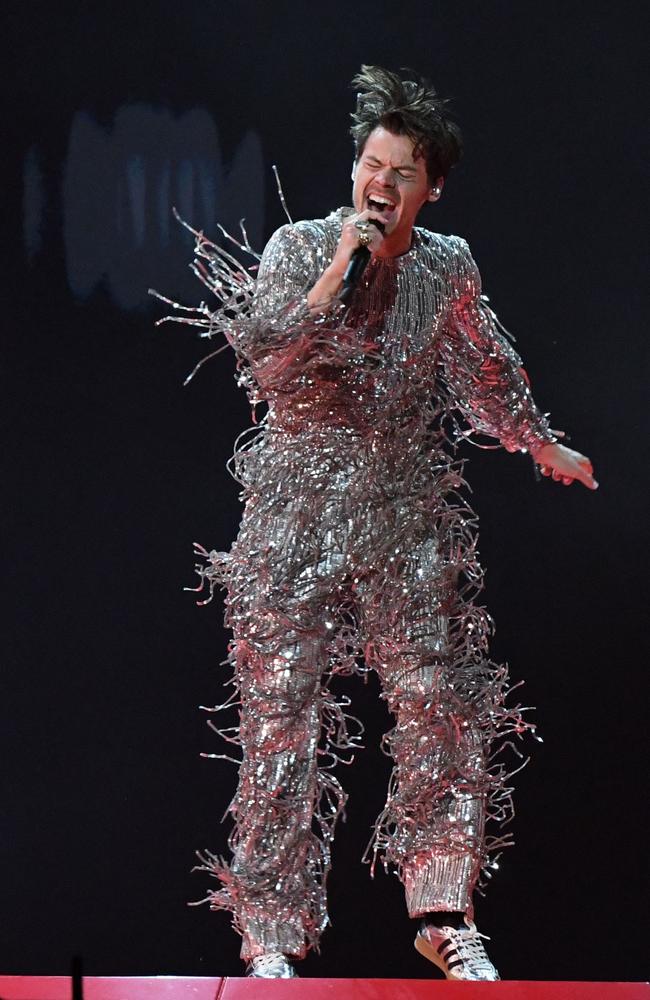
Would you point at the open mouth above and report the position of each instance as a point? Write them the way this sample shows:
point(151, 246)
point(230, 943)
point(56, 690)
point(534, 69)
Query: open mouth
point(377, 203)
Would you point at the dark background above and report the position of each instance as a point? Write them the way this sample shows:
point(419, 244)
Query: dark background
point(113, 468)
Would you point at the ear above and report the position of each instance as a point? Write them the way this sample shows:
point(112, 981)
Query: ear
point(436, 189)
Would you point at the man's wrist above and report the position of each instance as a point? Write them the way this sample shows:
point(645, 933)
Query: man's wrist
point(326, 287)
point(537, 451)
point(334, 273)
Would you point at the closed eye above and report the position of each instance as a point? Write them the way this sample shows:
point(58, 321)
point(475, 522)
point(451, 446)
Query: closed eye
point(405, 172)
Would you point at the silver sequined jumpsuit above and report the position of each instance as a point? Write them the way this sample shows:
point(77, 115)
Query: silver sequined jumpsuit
point(357, 546)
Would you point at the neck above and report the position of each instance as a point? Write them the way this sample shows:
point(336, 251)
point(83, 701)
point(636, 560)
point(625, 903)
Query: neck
point(395, 244)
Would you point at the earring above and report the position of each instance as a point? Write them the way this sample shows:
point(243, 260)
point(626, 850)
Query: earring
point(435, 191)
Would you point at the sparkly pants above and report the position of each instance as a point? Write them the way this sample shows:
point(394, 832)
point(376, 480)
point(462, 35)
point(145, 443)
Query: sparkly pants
point(316, 597)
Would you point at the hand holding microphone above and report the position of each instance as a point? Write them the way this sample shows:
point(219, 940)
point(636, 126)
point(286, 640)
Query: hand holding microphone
point(369, 233)
point(361, 236)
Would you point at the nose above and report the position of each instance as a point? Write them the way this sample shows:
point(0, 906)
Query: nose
point(386, 176)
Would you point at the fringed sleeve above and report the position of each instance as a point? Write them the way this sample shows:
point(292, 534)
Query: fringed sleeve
point(279, 339)
point(277, 313)
point(481, 368)
point(281, 344)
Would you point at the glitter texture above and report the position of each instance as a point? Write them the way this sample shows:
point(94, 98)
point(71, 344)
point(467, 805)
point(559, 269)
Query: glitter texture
point(357, 551)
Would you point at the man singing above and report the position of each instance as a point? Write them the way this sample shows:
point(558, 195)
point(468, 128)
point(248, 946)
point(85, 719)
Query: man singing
point(357, 549)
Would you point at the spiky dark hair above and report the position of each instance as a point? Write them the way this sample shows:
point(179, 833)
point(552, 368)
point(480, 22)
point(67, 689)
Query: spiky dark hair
point(406, 106)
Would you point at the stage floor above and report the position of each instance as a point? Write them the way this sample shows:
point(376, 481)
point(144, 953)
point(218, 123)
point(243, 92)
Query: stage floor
point(186, 988)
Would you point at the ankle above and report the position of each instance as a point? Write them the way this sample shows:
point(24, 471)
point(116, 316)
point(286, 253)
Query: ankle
point(445, 918)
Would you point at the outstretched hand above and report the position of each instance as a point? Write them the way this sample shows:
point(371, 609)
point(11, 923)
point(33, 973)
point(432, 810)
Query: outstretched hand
point(564, 465)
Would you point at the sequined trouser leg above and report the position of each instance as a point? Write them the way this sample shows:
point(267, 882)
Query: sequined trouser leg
point(432, 827)
point(286, 806)
point(278, 859)
point(426, 644)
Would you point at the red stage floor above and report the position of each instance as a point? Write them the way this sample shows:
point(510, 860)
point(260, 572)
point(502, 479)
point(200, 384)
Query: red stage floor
point(184, 988)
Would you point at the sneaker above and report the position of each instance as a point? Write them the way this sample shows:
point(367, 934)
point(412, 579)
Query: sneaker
point(275, 965)
point(458, 952)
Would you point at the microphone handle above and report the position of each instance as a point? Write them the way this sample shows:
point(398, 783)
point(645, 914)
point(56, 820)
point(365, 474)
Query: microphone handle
point(354, 270)
point(357, 265)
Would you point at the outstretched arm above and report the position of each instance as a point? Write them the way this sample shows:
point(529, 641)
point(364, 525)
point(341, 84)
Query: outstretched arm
point(486, 377)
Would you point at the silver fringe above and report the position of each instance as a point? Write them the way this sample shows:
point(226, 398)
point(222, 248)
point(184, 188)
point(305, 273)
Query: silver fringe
point(357, 542)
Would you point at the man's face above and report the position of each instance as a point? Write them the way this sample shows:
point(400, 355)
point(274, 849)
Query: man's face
point(389, 181)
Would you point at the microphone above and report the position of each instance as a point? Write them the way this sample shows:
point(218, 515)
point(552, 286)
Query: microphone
point(357, 265)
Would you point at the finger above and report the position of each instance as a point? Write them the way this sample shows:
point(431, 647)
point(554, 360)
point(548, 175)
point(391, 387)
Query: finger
point(545, 470)
point(367, 235)
point(558, 434)
point(368, 215)
point(556, 475)
point(373, 233)
point(355, 223)
point(589, 482)
point(567, 480)
point(583, 473)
